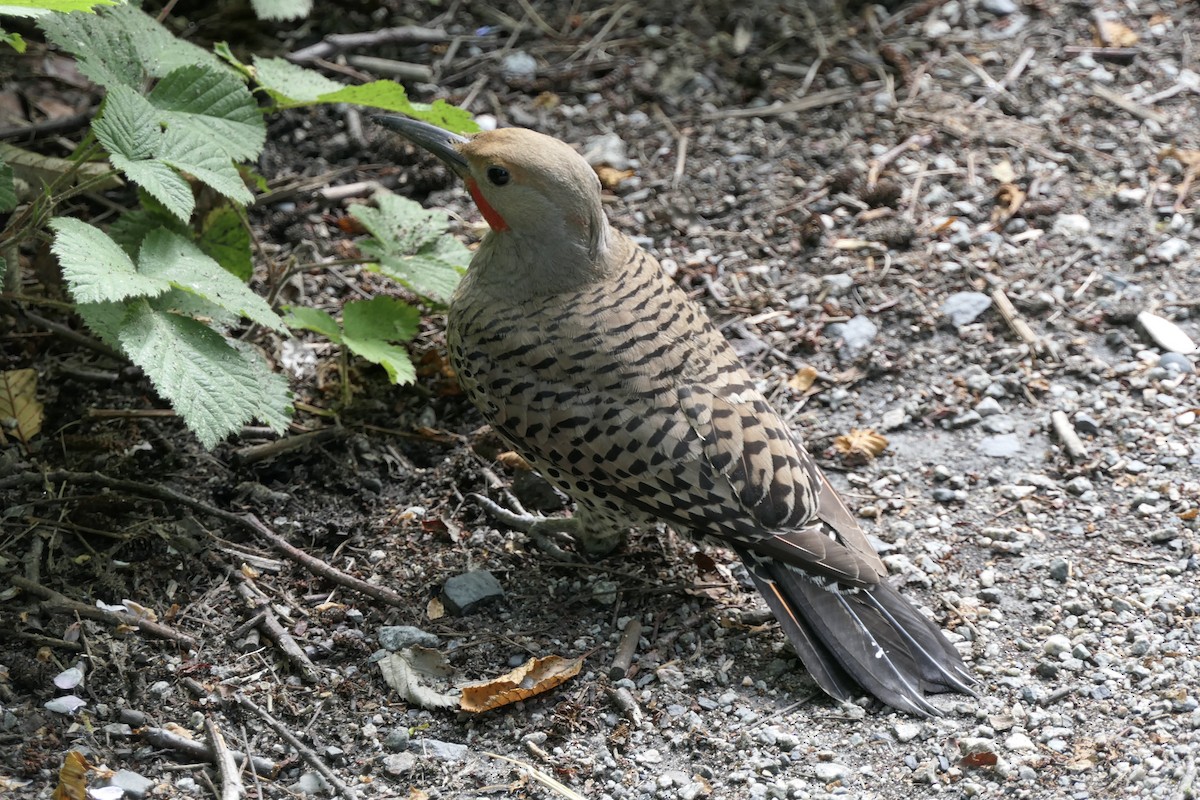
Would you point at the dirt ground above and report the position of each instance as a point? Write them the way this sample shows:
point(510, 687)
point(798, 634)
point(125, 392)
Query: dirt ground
point(848, 192)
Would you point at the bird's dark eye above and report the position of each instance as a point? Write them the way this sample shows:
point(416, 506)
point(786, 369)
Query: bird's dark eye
point(498, 176)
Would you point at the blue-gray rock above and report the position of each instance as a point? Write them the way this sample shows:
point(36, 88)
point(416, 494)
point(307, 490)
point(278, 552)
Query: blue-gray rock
point(856, 334)
point(397, 739)
point(519, 66)
point(463, 592)
point(963, 308)
point(397, 764)
point(965, 419)
point(999, 424)
point(397, 637)
point(1086, 424)
point(988, 407)
point(433, 748)
point(1176, 362)
point(131, 783)
point(1002, 445)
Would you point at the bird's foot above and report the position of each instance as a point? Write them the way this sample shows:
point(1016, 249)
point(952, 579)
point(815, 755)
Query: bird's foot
point(546, 532)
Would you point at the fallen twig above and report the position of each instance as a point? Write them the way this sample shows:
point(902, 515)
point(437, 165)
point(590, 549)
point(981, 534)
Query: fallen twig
point(625, 700)
point(286, 444)
point(828, 97)
point(268, 623)
point(231, 781)
point(1123, 102)
point(1015, 323)
point(338, 42)
point(1065, 432)
point(624, 658)
point(161, 737)
point(58, 601)
point(307, 753)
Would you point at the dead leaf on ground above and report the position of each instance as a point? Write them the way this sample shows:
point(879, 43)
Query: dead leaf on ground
point(861, 444)
point(21, 414)
point(514, 460)
point(1004, 172)
point(1115, 34)
point(535, 676)
point(803, 380)
point(1189, 158)
point(410, 673)
point(610, 177)
point(1009, 199)
point(72, 778)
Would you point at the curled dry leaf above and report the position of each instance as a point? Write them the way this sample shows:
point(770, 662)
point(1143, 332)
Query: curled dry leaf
point(72, 778)
point(1115, 34)
point(610, 177)
point(535, 676)
point(1009, 199)
point(514, 460)
point(1004, 172)
point(860, 444)
point(410, 673)
point(803, 380)
point(20, 412)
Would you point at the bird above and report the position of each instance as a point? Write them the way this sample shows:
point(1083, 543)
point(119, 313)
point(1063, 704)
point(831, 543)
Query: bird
point(596, 367)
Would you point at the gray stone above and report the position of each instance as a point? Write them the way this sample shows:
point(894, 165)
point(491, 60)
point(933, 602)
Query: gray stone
point(445, 751)
point(1172, 249)
point(1176, 362)
point(397, 637)
point(1078, 485)
point(1003, 445)
point(519, 66)
point(830, 771)
point(397, 739)
point(1165, 334)
point(399, 763)
point(131, 783)
point(837, 285)
point(856, 334)
point(1086, 424)
point(463, 592)
point(1001, 8)
point(963, 308)
point(999, 424)
point(988, 407)
point(965, 419)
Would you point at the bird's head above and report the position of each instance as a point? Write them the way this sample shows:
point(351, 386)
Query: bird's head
point(525, 183)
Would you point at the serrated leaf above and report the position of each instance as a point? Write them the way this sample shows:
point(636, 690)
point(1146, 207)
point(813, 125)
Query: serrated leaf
point(160, 50)
point(281, 9)
point(224, 237)
point(104, 320)
point(383, 318)
point(273, 403)
point(131, 228)
point(191, 151)
point(393, 359)
point(185, 266)
point(161, 182)
point(59, 6)
point(96, 268)
point(105, 52)
point(315, 320)
point(412, 245)
point(20, 410)
point(290, 84)
point(214, 107)
point(212, 385)
point(8, 189)
point(13, 40)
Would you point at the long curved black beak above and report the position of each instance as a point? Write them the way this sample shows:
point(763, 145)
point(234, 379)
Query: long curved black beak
point(441, 143)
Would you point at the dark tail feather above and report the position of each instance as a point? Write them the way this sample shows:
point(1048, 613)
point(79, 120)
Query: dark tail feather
point(869, 641)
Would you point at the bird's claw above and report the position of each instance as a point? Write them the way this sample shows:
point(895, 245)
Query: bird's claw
point(544, 531)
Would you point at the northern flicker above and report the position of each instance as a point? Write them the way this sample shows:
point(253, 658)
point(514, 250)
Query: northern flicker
point(596, 367)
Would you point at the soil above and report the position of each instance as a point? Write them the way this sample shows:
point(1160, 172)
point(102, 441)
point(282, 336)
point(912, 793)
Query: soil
point(825, 180)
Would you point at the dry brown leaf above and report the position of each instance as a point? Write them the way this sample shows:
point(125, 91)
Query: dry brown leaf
point(411, 672)
point(1189, 158)
point(610, 177)
point(1009, 199)
point(434, 609)
point(804, 378)
point(1115, 34)
point(535, 676)
point(21, 414)
point(72, 778)
point(514, 460)
point(860, 443)
point(1004, 172)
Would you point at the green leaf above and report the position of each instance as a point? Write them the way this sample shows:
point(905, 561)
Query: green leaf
point(224, 237)
point(96, 268)
point(61, 6)
point(13, 40)
point(290, 85)
point(193, 153)
point(131, 228)
point(412, 245)
point(104, 320)
point(172, 258)
point(160, 51)
point(214, 386)
point(393, 359)
point(8, 189)
point(281, 9)
point(383, 318)
point(212, 108)
point(133, 139)
point(105, 52)
point(273, 402)
point(315, 320)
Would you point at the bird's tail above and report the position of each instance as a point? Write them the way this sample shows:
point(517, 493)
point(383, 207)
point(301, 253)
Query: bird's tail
point(865, 641)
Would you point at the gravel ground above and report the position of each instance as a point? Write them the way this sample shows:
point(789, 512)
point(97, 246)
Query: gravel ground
point(852, 247)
